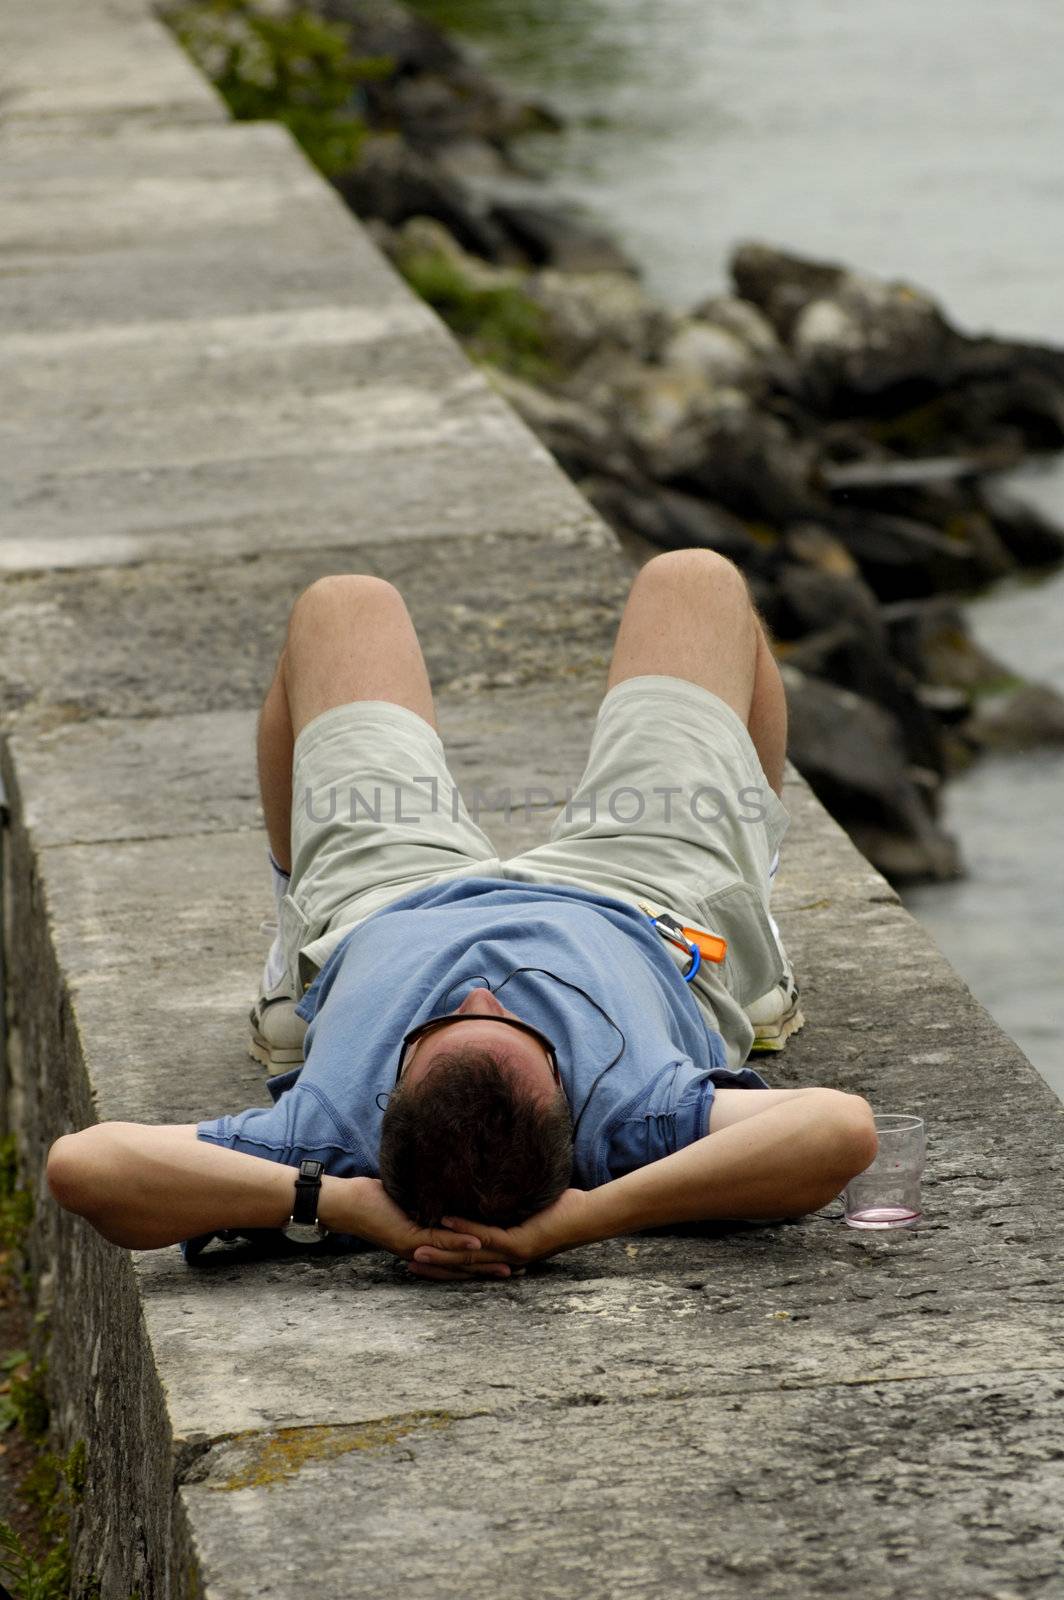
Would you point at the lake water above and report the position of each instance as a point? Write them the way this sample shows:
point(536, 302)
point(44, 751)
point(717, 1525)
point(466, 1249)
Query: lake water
point(910, 140)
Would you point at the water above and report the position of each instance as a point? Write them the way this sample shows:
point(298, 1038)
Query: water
point(882, 1217)
point(1002, 924)
point(911, 140)
point(907, 139)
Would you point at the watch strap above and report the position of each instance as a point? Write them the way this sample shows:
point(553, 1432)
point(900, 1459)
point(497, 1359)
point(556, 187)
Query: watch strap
point(308, 1190)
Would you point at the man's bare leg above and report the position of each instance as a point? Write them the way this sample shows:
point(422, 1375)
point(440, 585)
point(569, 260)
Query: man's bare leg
point(768, 713)
point(689, 615)
point(275, 745)
point(349, 638)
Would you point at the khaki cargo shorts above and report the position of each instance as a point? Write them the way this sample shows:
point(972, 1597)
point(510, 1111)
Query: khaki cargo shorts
point(673, 808)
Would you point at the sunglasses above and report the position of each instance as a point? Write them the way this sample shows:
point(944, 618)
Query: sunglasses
point(435, 1023)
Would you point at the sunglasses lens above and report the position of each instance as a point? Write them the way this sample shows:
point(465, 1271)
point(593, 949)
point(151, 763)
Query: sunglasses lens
point(436, 1023)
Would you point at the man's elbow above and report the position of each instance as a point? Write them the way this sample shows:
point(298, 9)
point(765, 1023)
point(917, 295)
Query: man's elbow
point(73, 1171)
point(845, 1144)
point(854, 1140)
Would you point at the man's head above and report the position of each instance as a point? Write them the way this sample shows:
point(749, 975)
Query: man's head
point(478, 1126)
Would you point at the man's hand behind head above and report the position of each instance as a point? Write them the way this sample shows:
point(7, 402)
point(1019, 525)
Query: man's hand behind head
point(365, 1210)
point(559, 1226)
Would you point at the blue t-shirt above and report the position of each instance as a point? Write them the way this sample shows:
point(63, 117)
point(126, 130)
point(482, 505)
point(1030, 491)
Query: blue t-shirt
point(637, 1057)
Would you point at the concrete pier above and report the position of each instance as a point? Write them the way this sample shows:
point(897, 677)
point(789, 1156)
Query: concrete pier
point(215, 391)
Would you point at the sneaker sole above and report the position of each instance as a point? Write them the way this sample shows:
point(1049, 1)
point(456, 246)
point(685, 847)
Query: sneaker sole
point(774, 1035)
point(267, 1055)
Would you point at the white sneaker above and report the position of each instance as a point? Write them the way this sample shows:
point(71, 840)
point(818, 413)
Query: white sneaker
point(776, 1015)
point(276, 1033)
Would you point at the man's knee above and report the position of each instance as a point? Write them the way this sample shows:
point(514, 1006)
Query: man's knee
point(695, 576)
point(340, 596)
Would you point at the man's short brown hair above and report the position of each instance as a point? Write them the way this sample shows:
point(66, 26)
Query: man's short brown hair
point(469, 1140)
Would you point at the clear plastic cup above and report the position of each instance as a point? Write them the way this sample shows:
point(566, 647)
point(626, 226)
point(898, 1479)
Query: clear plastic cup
point(887, 1194)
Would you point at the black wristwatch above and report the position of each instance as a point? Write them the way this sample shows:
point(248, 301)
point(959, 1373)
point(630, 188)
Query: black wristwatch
point(303, 1226)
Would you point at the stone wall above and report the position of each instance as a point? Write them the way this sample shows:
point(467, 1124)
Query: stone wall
point(215, 391)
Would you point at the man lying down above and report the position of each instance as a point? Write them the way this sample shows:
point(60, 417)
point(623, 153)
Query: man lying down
point(478, 1063)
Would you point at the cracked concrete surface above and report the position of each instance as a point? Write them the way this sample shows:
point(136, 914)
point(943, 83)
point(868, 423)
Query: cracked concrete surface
point(217, 392)
point(680, 1497)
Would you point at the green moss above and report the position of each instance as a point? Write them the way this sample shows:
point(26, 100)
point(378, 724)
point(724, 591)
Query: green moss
point(29, 1399)
point(271, 1458)
point(75, 1471)
point(1000, 683)
point(37, 1568)
point(501, 325)
point(288, 67)
point(43, 1486)
point(16, 1203)
point(193, 1583)
point(52, 1487)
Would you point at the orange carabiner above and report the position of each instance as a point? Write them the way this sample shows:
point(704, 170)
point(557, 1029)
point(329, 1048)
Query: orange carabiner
point(712, 948)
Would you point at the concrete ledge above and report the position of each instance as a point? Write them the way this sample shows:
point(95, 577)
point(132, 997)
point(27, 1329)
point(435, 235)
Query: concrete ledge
point(661, 1496)
point(223, 393)
point(293, 392)
point(74, 64)
point(526, 605)
point(173, 224)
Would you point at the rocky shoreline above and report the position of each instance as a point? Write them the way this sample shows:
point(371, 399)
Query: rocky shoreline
point(832, 434)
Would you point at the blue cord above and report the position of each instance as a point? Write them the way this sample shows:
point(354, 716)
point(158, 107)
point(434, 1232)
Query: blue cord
point(695, 952)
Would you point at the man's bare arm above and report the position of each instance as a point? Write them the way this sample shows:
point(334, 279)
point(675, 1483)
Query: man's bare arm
point(783, 1161)
point(148, 1186)
point(143, 1186)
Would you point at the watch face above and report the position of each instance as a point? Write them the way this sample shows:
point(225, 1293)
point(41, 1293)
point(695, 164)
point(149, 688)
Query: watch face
point(303, 1232)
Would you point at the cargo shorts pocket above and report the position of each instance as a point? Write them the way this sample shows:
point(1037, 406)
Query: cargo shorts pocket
point(295, 933)
point(753, 964)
